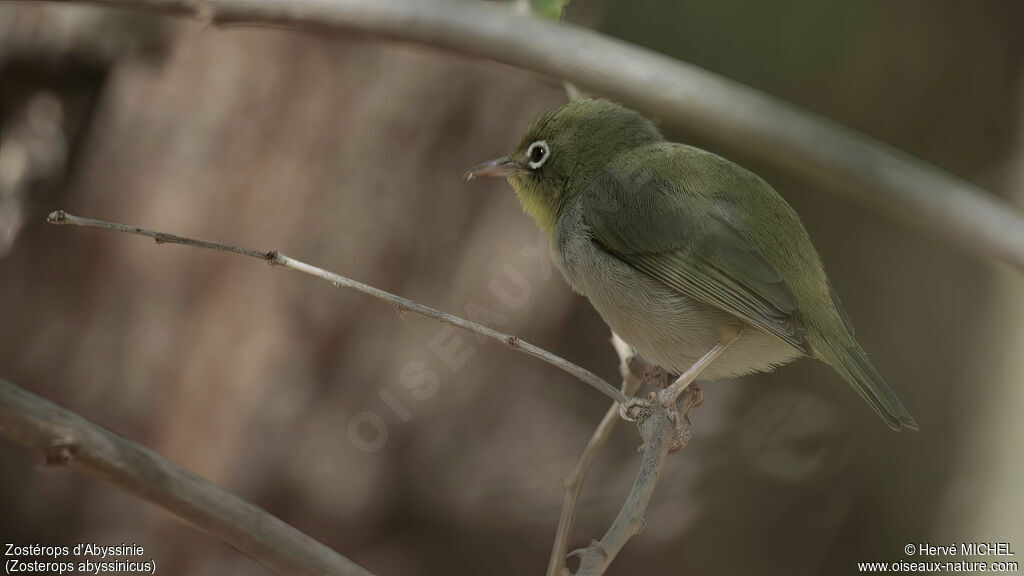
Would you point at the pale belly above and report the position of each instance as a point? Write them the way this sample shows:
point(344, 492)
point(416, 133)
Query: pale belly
point(668, 329)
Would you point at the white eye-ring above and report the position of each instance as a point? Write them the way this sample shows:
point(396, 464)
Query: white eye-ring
point(537, 154)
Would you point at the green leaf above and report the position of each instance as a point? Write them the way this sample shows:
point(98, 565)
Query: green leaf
point(549, 9)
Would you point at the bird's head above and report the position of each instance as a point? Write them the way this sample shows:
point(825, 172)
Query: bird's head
point(563, 150)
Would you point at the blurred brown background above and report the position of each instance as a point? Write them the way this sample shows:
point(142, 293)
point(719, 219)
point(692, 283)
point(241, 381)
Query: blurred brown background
point(415, 449)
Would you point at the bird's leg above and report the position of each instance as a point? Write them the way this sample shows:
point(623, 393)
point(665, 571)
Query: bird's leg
point(668, 396)
point(638, 409)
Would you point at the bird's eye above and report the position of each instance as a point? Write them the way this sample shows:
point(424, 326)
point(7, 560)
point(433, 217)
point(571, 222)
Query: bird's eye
point(537, 154)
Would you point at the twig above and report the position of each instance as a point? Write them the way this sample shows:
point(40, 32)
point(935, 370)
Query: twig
point(733, 116)
point(64, 438)
point(634, 371)
point(275, 258)
point(657, 431)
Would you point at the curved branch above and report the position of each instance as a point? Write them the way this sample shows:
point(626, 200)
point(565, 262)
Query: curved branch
point(657, 431)
point(733, 116)
point(634, 370)
point(64, 438)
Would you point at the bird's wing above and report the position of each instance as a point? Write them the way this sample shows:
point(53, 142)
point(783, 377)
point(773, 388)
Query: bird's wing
point(677, 214)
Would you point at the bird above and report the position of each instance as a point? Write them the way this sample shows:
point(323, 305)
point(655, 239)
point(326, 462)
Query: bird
point(695, 262)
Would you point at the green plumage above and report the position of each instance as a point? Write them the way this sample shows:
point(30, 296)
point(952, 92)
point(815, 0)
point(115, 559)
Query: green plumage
point(691, 236)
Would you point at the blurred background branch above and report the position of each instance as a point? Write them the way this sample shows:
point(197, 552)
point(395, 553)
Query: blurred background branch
point(734, 116)
point(63, 438)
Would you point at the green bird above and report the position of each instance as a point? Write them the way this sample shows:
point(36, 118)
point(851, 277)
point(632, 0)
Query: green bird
point(694, 261)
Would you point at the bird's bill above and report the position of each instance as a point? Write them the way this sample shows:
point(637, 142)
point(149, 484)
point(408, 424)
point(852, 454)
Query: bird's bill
point(497, 168)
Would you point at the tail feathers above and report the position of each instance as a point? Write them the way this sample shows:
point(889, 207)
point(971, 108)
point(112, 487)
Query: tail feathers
point(854, 366)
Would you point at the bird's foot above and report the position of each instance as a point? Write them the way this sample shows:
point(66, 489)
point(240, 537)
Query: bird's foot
point(681, 417)
point(638, 408)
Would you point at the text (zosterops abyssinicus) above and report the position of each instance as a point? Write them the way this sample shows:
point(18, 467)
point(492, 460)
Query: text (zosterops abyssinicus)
point(694, 261)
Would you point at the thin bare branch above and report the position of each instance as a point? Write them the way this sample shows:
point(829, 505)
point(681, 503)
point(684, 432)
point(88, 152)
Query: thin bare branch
point(634, 370)
point(275, 258)
point(64, 438)
point(658, 432)
point(734, 117)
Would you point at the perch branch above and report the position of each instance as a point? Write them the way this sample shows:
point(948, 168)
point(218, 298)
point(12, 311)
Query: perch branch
point(64, 438)
point(657, 430)
point(735, 117)
point(634, 371)
point(275, 258)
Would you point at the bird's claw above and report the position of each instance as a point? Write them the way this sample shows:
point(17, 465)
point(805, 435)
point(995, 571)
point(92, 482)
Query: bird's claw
point(637, 409)
point(681, 435)
point(694, 398)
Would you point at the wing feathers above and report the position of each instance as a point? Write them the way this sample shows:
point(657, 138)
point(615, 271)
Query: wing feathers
point(688, 240)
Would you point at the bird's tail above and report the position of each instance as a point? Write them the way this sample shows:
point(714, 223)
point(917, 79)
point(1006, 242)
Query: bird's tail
point(852, 363)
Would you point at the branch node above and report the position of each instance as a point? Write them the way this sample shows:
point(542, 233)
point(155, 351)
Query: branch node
point(594, 547)
point(639, 523)
point(57, 217)
point(512, 340)
point(60, 451)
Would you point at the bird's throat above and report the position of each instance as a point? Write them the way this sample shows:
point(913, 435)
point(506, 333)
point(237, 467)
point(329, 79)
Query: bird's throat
point(535, 204)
